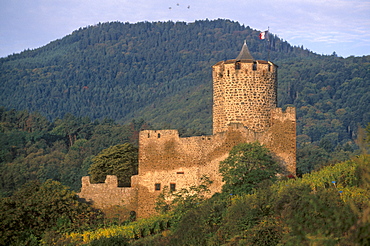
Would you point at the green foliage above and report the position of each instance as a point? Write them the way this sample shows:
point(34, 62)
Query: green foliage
point(37, 207)
point(247, 165)
point(368, 133)
point(310, 157)
point(134, 230)
point(112, 241)
point(340, 175)
point(245, 212)
point(269, 231)
point(306, 213)
point(120, 160)
point(204, 220)
point(153, 240)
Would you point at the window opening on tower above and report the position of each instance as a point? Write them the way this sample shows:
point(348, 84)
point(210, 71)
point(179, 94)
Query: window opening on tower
point(254, 68)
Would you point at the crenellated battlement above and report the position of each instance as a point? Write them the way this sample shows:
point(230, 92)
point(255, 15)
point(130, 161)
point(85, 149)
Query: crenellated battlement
point(243, 68)
point(159, 134)
point(110, 182)
point(288, 114)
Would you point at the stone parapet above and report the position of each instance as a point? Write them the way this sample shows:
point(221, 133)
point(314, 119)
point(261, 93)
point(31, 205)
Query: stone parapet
point(108, 194)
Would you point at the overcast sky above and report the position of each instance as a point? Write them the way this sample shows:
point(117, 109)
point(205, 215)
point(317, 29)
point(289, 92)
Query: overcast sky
point(322, 26)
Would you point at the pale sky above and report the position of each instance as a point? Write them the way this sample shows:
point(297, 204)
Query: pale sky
point(322, 26)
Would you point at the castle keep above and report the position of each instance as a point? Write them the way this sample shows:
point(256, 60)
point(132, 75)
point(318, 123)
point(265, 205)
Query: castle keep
point(244, 110)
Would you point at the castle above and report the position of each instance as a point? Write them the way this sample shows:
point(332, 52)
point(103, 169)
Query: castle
point(244, 110)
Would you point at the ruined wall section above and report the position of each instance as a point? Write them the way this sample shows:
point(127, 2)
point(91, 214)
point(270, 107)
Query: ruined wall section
point(108, 194)
point(244, 92)
point(282, 137)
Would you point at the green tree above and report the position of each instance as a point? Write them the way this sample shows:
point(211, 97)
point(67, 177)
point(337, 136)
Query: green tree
point(36, 208)
point(368, 133)
point(120, 160)
point(320, 216)
point(247, 165)
point(310, 157)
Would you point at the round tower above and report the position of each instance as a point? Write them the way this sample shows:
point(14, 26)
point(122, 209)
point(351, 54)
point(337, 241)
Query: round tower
point(244, 91)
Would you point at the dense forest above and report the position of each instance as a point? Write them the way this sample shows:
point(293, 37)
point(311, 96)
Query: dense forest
point(32, 148)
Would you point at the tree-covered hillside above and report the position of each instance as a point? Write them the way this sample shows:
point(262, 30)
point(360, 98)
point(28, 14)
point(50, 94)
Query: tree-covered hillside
point(161, 72)
point(116, 69)
point(32, 148)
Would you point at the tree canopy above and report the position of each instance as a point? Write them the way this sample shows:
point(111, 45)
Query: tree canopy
point(120, 160)
point(38, 207)
point(247, 165)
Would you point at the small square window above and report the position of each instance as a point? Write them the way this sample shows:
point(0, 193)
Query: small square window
point(172, 187)
point(157, 186)
point(254, 68)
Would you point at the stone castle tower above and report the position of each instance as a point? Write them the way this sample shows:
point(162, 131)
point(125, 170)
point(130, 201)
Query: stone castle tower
point(244, 110)
point(244, 91)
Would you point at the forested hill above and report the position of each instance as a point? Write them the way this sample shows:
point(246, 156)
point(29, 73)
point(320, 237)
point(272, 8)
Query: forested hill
point(161, 72)
point(116, 69)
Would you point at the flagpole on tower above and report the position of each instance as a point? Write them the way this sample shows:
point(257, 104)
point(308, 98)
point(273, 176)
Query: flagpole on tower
point(268, 43)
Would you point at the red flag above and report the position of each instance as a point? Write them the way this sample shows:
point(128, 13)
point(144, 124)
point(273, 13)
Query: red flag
point(264, 35)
